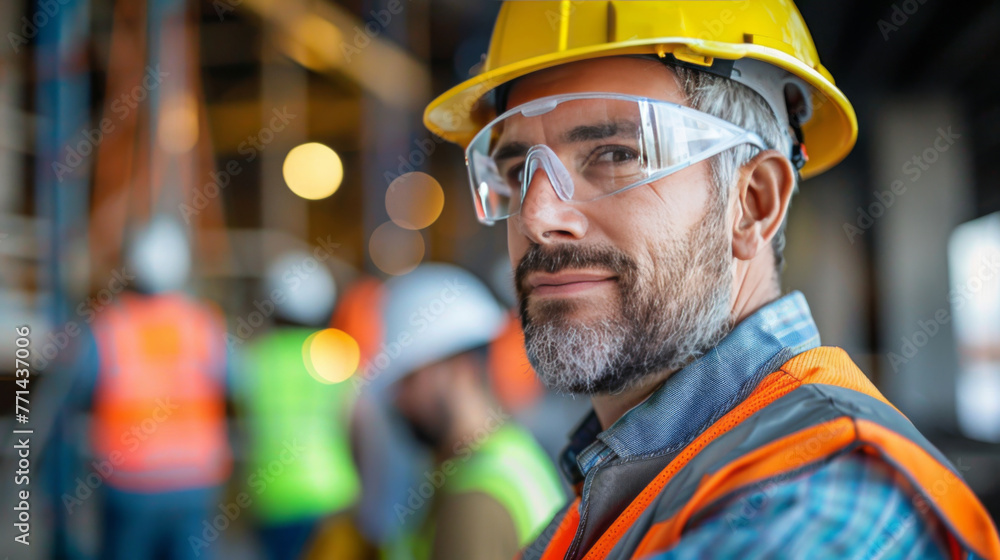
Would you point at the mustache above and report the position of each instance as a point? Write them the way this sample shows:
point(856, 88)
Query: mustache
point(561, 257)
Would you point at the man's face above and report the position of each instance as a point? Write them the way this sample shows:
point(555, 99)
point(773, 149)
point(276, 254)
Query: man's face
point(618, 288)
point(420, 399)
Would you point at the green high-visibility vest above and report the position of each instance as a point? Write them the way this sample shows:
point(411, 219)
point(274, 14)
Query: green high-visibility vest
point(513, 469)
point(298, 461)
point(510, 467)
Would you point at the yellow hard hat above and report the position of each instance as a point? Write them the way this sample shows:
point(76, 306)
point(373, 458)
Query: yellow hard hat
point(533, 35)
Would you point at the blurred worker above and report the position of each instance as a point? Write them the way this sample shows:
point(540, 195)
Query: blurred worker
point(159, 432)
point(298, 459)
point(644, 156)
point(377, 445)
point(492, 487)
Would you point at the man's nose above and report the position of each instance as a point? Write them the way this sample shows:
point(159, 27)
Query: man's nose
point(544, 217)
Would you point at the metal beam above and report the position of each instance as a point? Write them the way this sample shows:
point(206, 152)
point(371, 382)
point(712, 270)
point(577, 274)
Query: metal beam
point(326, 38)
point(234, 123)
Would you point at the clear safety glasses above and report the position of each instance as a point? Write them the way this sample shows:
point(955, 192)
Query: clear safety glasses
point(590, 145)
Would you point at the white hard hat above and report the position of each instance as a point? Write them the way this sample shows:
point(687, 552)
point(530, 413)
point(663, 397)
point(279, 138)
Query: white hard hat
point(431, 314)
point(159, 255)
point(301, 288)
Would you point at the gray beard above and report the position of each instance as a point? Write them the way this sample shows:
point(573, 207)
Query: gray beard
point(665, 318)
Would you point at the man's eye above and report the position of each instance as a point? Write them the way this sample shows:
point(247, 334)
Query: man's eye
point(613, 154)
point(516, 174)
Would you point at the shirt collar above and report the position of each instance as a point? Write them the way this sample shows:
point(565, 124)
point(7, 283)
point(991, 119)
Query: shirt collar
point(702, 392)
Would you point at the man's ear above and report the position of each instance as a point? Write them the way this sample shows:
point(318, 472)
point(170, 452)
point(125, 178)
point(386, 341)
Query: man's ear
point(763, 193)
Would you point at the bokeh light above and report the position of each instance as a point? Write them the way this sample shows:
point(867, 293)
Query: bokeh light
point(331, 355)
point(414, 200)
point(395, 250)
point(313, 171)
point(315, 43)
point(177, 131)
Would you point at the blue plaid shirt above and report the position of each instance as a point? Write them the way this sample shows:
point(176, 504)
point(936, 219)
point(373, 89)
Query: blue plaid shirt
point(853, 506)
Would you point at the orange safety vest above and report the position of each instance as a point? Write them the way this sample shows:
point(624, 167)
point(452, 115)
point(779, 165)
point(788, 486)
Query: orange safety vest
point(513, 381)
point(159, 401)
point(816, 405)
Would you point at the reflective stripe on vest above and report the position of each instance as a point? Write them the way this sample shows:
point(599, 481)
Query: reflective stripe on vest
point(159, 409)
point(819, 404)
point(514, 470)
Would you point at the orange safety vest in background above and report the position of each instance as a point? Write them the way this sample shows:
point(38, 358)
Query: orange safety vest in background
point(817, 405)
point(159, 401)
point(512, 379)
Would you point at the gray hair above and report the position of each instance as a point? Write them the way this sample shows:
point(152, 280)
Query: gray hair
point(740, 105)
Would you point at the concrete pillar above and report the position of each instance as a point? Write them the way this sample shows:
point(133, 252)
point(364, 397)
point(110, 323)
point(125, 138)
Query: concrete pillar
point(390, 132)
point(826, 261)
point(283, 84)
point(923, 190)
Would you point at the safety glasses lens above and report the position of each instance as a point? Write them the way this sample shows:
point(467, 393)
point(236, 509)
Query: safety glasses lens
point(588, 146)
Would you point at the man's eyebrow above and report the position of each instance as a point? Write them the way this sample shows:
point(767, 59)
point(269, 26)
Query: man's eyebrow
point(510, 150)
point(600, 131)
point(580, 133)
